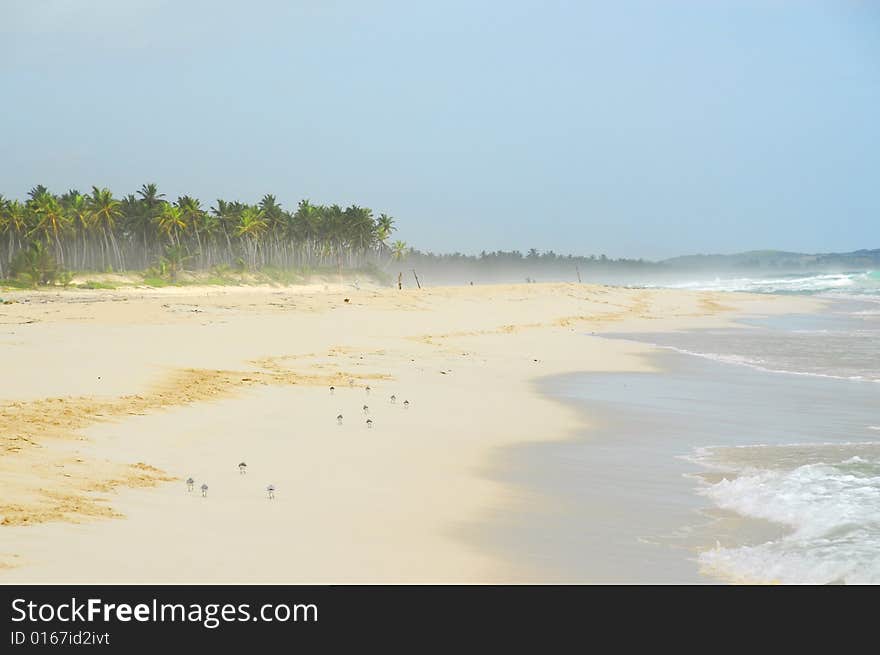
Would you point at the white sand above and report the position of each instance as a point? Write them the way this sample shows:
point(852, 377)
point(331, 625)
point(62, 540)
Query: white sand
point(194, 380)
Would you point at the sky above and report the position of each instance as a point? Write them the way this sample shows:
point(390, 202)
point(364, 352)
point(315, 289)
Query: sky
point(630, 128)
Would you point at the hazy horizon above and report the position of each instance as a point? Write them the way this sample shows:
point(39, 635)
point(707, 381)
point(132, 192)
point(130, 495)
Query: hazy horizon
point(628, 129)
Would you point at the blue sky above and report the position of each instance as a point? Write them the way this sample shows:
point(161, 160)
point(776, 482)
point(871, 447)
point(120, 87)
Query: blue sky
point(645, 129)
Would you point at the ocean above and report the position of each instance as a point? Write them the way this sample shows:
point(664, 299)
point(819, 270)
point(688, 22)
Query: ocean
point(754, 457)
point(824, 488)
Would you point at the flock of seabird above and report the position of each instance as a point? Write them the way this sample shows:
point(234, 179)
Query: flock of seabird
point(270, 490)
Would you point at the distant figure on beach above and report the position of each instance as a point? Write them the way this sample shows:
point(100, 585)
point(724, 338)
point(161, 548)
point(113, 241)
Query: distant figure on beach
point(369, 422)
point(399, 281)
point(242, 468)
point(406, 404)
point(366, 410)
point(271, 490)
point(204, 490)
point(339, 419)
point(332, 389)
point(189, 484)
point(367, 389)
point(393, 399)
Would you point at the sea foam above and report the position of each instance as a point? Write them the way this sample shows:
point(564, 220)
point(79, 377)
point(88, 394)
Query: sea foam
point(852, 284)
point(831, 509)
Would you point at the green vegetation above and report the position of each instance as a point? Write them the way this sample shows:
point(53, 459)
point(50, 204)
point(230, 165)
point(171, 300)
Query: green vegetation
point(94, 284)
point(47, 234)
point(34, 264)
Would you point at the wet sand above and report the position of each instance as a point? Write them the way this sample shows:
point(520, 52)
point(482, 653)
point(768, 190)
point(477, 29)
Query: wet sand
point(625, 490)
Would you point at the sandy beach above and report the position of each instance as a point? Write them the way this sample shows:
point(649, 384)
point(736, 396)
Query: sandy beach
point(110, 399)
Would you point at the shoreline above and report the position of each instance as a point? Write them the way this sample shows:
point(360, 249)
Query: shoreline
point(652, 545)
point(391, 509)
point(651, 437)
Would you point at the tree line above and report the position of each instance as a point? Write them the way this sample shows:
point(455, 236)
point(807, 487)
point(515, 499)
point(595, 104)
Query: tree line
point(517, 257)
point(98, 231)
point(144, 231)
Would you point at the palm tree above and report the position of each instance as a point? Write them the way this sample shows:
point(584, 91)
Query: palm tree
point(101, 232)
point(16, 225)
point(37, 191)
point(251, 226)
point(51, 220)
point(191, 212)
point(173, 260)
point(150, 196)
point(211, 230)
point(105, 209)
point(78, 213)
point(398, 251)
point(35, 262)
point(384, 227)
point(4, 226)
point(170, 222)
point(359, 231)
point(151, 204)
point(227, 215)
point(275, 218)
point(305, 226)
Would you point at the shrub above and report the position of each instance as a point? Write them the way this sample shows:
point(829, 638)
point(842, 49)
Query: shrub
point(36, 264)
